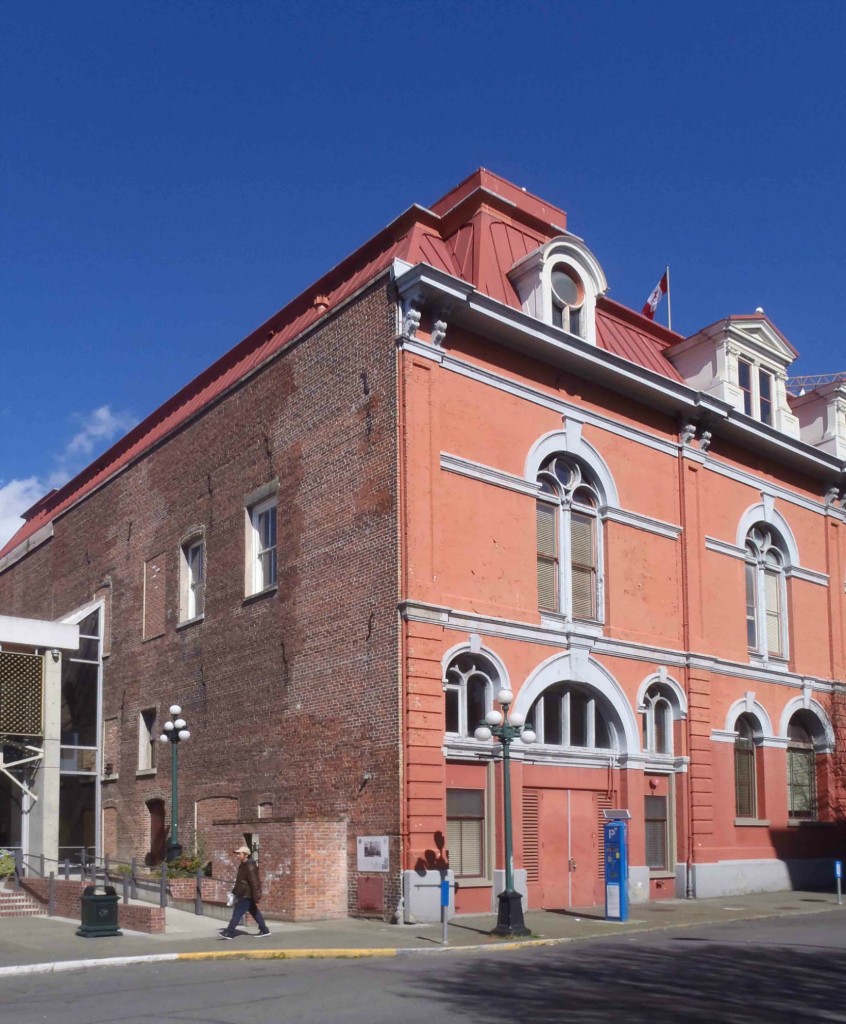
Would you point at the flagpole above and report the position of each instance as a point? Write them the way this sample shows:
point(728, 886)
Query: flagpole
point(669, 307)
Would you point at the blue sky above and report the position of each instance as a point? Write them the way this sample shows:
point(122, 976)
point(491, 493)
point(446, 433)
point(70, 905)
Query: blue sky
point(174, 171)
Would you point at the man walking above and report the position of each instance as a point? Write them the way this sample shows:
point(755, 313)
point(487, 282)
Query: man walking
point(247, 893)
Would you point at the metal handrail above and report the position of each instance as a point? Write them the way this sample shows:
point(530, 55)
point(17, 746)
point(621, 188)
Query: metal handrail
point(97, 867)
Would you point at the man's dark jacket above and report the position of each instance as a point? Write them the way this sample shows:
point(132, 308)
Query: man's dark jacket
point(247, 882)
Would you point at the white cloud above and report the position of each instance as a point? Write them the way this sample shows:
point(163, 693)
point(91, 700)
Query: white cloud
point(99, 425)
point(16, 496)
point(97, 430)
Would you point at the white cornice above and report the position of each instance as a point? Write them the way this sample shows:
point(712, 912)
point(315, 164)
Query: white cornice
point(722, 547)
point(511, 482)
point(594, 419)
point(569, 636)
point(516, 330)
point(487, 474)
point(41, 536)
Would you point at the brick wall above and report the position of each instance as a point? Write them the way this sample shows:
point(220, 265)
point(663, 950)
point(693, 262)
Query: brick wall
point(291, 697)
point(303, 866)
point(133, 916)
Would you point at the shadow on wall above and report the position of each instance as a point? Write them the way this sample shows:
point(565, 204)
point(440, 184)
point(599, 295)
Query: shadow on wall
point(804, 850)
point(434, 860)
point(680, 981)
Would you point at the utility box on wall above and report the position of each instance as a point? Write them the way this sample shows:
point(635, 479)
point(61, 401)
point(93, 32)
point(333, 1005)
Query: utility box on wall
point(371, 895)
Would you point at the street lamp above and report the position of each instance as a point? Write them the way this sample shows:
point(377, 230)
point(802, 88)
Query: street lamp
point(175, 731)
point(506, 728)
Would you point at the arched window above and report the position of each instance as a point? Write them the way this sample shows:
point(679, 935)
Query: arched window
point(658, 703)
point(470, 682)
point(748, 737)
point(802, 765)
point(569, 715)
point(568, 298)
point(766, 616)
point(568, 539)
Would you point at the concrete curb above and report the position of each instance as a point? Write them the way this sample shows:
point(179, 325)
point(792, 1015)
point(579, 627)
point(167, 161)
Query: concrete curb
point(366, 953)
point(270, 954)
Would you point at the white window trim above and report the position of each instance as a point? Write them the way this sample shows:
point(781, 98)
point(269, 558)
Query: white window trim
point(536, 720)
point(146, 763)
point(531, 277)
point(563, 523)
point(760, 653)
point(488, 671)
point(255, 583)
point(187, 589)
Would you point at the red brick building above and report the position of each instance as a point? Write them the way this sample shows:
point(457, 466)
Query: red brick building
point(455, 465)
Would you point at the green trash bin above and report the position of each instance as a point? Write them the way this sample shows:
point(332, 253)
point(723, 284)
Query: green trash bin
point(99, 912)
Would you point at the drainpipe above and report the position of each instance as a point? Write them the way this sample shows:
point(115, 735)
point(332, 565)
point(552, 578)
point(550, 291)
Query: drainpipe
point(688, 881)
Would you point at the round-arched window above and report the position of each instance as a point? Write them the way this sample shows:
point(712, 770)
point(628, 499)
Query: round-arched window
point(568, 296)
point(470, 682)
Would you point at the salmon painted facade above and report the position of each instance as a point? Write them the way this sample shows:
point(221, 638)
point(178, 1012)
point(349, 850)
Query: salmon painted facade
point(516, 483)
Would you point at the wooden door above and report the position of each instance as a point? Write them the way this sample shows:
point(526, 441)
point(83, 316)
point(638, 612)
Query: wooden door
point(561, 848)
point(584, 849)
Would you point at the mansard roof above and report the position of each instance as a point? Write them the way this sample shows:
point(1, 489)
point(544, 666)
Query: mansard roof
point(476, 232)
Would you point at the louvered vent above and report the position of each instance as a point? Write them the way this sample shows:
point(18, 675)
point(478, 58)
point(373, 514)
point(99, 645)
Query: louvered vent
point(531, 835)
point(602, 803)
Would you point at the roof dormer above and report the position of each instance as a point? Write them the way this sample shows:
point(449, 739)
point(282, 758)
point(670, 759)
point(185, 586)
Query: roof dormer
point(821, 411)
point(558, 283)
point(742, 360)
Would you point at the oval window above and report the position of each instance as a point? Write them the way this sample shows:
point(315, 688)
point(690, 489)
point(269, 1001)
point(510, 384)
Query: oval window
point(566, 289)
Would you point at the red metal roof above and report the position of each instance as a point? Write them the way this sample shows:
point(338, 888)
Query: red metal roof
point(476, 232)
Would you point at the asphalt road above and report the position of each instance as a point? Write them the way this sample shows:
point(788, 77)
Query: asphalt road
point(788, 970)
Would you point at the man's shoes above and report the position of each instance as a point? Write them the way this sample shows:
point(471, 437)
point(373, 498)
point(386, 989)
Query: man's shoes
point(226, 936)
point(263, 935)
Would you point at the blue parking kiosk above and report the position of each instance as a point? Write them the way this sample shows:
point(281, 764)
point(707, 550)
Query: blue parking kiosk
point(616, 865)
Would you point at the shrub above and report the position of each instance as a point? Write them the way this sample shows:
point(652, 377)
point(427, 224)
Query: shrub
point(7, 863)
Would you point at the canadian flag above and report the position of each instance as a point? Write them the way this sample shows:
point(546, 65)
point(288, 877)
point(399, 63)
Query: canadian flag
point(658, 291)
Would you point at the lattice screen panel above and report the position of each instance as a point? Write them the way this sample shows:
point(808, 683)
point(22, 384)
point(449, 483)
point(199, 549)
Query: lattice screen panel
point(21, 694)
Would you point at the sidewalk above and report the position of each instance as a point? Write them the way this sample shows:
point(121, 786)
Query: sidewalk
point(42, 944)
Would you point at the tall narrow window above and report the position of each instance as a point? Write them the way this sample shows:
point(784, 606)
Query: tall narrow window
point(745, 773)
point(147, 740)
point(658, 719)
point(568, 298)
point(765, 594)
point(765, 396)
point(466, 832)
point(657, 833)
point(568, 540)
point(469, 685)
point(744, 381)
point(263, 543)
point(801, 768)
point(193, 580)
point(547, 524)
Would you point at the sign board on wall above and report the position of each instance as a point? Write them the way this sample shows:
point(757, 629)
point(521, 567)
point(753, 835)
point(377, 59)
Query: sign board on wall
point(372, 853)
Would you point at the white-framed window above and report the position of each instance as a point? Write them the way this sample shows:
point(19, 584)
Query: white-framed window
point(746, 746)
point(757, 387)
point(147, 740)
point(568, 540)
point(568, 299)
point(766, 594)
point(802, 766)
point(657, 826)
point(658, 719)
point(470, 683)
point(569, 715)
point(193, 579)
point(261, 538)
point(466, 832)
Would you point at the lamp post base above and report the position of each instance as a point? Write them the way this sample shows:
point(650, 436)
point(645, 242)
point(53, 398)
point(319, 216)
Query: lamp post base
point(174, 852)
point(509, 919)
